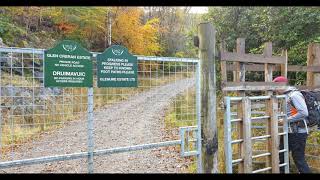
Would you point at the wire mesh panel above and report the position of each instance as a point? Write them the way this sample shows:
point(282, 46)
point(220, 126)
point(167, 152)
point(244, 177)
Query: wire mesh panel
point(153, 112)
point(37, 122)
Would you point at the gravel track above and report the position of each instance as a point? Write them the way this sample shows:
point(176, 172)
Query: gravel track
point(137, 120)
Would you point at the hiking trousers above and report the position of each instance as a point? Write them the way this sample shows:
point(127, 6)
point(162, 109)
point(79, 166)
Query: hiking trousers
point(297, 145)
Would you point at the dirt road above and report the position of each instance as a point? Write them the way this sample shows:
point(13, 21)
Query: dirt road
point(137, 120)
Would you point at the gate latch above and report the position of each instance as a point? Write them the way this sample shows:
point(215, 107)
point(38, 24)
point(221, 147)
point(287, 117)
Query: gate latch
point(189, 141)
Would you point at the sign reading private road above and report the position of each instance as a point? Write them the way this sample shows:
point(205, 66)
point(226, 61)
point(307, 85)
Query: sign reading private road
point(116, 67)
point(68, 65)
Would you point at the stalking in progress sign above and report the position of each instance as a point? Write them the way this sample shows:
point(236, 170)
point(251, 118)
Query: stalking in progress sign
point(68, 65)
point(116, 67)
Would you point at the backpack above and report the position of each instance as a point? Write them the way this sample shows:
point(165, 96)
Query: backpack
point(312, 99)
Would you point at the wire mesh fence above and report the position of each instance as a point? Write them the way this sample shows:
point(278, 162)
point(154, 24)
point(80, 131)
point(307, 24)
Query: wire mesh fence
point(36, 121)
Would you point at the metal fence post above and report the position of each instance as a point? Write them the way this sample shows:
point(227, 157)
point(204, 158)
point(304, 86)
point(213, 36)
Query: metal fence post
point(1, 102)
point(285, 142)
point(228, 136)
point(198, 106)
point(90, 130)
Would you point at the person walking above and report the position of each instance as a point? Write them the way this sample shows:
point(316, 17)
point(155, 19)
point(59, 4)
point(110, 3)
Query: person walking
point(298, 130)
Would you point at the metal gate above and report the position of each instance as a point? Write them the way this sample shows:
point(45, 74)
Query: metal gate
point(82, 129)
point(252, 133)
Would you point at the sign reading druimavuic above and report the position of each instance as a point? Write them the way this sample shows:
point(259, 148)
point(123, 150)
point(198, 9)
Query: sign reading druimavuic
point(67, 65)
point(116, 67)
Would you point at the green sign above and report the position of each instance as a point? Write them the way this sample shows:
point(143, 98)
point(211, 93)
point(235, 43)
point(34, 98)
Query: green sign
point(116, 67)
point(68, 65)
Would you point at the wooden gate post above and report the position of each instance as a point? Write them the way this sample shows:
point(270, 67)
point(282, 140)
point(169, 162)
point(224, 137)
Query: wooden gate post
point(209, 134)
point(241, 77)
point(268, 74)
point(313, 59)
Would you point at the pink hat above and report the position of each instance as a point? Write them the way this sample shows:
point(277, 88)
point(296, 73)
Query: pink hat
point(280, 79)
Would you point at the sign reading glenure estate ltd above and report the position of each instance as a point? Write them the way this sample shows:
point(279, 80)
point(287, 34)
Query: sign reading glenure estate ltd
point(116, 67)
point(68, 65)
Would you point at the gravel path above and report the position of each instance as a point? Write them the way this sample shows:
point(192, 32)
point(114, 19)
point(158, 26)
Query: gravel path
point(138, 120)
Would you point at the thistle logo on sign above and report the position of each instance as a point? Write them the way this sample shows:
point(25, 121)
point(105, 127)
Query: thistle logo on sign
point(68, 65)
point(116, 67)
point(69, 47)
point(116, 51)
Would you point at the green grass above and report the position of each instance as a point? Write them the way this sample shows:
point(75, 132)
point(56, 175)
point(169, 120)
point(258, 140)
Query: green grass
point(176, 115)
point(182, 113)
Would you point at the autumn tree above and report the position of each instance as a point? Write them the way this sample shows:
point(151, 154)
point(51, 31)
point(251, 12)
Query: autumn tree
point(129, 31)
point(176, 26)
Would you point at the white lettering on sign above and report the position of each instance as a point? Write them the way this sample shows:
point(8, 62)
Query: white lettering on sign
point(83, 57)
point(66, 73)
point(68, 56)
point(64, 61)
point(117, 66)
point(125, 68)
point(52, 55)
point(110, 64)
point(126, 64)
point(117, 60)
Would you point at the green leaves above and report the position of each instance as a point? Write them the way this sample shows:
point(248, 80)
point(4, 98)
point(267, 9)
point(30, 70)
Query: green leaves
point(284, 26)
point(317, 40)
point(291, 28)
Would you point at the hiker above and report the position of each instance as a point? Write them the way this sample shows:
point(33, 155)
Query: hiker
point(298, 130)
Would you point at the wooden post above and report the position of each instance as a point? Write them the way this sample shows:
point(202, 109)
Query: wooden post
point(268, 67)
point(235, 64)
point(284, 67)
point(313, 59)
point(240, 77)
point(274, 144)
point(223, 65)
point(247, 142)
point(209, 133)
point(268, 72)
point(241, 50)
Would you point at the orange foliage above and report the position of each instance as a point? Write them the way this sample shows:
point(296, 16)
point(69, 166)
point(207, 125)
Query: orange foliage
point(66, 28)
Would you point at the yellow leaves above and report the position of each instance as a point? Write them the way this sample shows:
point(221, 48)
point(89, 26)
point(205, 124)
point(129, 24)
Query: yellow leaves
point(151, 34)
point(180, 54)
point(53, 12)
point(89, 25)
point(137, 37)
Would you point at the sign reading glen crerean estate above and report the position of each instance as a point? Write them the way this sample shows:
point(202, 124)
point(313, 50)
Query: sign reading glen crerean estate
point(116, 67)
point(68, 65)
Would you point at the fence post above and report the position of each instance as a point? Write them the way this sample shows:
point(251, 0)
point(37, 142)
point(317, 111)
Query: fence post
point(240, 77)
point(198, 104)
point(90, 130)
point(209, 133)
point(313, 59)
point(228, 135)
point(285, 138)
point(284, 67)
point(273, 103)
point(0, 103)
point(247, 142)
point(268, 74)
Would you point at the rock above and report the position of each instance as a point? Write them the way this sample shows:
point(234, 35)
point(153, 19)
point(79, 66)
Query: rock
point(2, 44)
